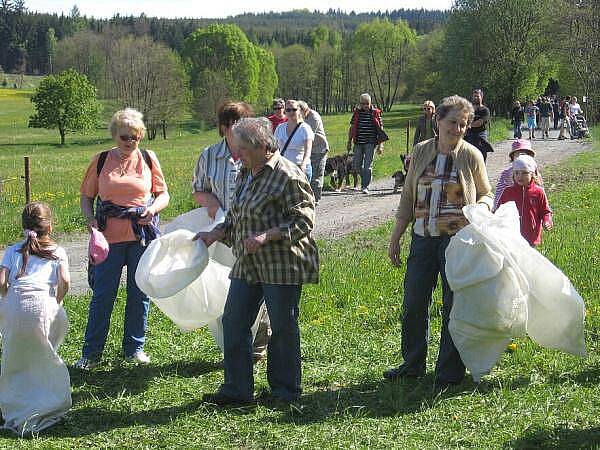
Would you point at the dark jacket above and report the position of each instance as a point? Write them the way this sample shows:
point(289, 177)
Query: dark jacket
point(421, 127)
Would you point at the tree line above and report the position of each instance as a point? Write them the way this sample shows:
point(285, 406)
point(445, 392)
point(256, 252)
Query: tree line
point(510, 50)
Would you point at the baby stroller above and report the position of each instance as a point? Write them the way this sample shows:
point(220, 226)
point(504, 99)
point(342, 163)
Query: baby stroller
point(579, 127)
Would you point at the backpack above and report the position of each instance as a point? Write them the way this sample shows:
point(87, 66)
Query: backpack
point(104, 155)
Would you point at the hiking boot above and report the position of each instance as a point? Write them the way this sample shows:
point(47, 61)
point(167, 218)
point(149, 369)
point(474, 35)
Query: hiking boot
point(397, 373)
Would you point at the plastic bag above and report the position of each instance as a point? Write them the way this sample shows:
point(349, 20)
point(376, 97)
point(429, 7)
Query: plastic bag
point(97, 247)
point(503, 288)
point(202, 300)
point(170, 264)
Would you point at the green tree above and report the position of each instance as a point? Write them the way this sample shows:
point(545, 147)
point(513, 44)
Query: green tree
point(502, 46)
point(384, 47)
point(66, 101)
point(221, 53)
point(268, 79)
point(51, 43)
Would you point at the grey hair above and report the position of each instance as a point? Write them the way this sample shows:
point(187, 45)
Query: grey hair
point(257, 133)
point(365, 96)
point(454, 102)
point(303, 105)
point(127, 118)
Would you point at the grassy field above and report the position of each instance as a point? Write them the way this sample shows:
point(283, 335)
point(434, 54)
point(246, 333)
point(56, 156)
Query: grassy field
point(56, 171)
point(535, 398)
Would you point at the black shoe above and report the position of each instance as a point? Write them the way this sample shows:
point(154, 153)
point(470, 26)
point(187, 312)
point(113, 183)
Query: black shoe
point(220, 399)
point(440, 387)
point(268, 398)
point(397, 373)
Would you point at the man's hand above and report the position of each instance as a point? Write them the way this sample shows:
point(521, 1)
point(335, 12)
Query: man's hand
point(208, 237)
point(92, 223)
point(147, 216)
point(253, 243)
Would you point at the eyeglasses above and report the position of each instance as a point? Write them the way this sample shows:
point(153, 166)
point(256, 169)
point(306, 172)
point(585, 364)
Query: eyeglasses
point(127, 138)
point(291, 109)
point(427, 108)
point(277, 107)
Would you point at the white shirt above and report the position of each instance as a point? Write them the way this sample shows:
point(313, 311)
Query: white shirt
point(295, 149)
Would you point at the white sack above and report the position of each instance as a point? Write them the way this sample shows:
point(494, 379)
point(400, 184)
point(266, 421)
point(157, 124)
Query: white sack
point(171, 263)
point(503, 288)
point(202, 300)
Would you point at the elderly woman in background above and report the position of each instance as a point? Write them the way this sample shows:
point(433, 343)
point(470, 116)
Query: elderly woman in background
point(295, 138)
point(269, 227)
point(214, 185)
point(130, 191)
point(427, 126)
point(445, 174)
point(318, 155)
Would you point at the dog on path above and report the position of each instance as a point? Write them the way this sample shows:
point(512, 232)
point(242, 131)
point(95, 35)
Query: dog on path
point(339, 168)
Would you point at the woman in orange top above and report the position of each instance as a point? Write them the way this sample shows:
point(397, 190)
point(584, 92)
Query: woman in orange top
point(130, 190)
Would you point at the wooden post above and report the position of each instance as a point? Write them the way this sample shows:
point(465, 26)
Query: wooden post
point(407, 136)
point(27, 178)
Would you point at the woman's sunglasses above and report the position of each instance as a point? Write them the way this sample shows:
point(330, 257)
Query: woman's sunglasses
point(291, 109)
point(127, 138)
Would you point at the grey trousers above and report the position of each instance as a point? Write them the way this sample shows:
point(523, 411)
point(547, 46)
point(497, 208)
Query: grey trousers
point(317, 161)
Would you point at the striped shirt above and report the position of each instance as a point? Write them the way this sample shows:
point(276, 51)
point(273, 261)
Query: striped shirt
point(277, 196)
point(367, 133)
point(216, 172)
point(438, 207)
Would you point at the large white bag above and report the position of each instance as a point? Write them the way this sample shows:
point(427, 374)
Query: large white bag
point(503, 288)
point(191, 301)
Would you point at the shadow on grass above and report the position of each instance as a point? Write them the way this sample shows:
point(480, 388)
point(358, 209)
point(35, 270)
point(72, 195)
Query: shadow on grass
point(557, 438)
point(374, 399)
point(131, 379)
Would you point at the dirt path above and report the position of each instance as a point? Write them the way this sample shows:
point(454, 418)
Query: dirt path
point(339, 214)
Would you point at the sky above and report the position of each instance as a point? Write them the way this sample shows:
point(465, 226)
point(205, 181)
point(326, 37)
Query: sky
point(216, 9)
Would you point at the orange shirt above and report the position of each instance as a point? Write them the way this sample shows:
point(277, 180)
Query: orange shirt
point(127, 183)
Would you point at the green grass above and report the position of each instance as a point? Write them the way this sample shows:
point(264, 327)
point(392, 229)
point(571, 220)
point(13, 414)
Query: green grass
point(29, 81)
point(56, 171)
point(534, 398)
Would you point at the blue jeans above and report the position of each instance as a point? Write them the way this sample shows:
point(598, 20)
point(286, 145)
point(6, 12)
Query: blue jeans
point(283, 351)
point(363, 162)
point(517, 134)
point(427, 259)
point(106, 278)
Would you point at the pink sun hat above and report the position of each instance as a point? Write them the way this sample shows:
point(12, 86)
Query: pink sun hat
point(523, 145)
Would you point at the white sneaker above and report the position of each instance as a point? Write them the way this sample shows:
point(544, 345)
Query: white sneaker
point(139, 357)
point(365, 191)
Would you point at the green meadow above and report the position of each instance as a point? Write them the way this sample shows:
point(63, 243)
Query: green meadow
point(534, 398)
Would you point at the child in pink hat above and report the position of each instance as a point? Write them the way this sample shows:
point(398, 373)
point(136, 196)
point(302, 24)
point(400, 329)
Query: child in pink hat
point(531, 201)
point(519, 147)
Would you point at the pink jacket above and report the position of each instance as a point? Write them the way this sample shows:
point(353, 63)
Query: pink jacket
point(533, 209)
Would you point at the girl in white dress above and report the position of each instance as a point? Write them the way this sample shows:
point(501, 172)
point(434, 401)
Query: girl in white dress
point(35, 389)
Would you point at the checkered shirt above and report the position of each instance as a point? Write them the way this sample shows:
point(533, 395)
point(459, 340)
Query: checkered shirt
point(278, 196)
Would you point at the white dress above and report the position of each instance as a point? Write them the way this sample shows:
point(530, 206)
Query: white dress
point(35, 389)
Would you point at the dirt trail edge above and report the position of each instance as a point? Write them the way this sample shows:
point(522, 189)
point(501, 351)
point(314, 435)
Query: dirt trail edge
point(341, 213)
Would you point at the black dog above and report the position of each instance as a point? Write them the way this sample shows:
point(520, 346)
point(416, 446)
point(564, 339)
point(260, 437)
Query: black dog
point(400, 176)
point(339, 168)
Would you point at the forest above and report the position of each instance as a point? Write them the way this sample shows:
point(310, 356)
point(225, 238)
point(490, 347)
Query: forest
point(512, 50)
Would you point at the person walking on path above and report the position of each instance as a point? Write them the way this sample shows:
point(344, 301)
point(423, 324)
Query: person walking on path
point(530, 198)
point(445, 174)
point(545, 117)
point(477, 133)
point(295, 138)
point(213, 184)
point(366, 130)
point(320, 147)
point(517, 118)
point(278, 115)
point(531, 112)
point(427, 125)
